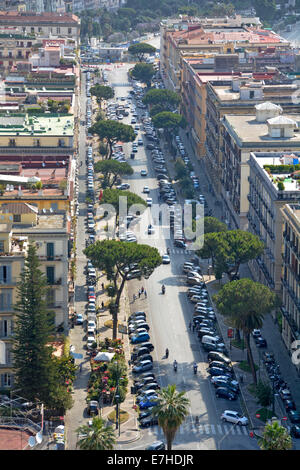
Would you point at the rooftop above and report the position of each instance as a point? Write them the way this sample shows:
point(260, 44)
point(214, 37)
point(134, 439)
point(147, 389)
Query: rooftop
point(12, 17)
point(283, 173)
point(246, 129)
point(38, 125)
point(201, 36)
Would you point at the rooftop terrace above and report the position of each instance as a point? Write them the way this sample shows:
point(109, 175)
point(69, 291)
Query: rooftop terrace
point(46, 124)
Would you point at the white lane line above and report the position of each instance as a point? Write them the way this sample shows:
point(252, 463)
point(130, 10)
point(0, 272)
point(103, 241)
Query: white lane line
point(201, 430)
point(220, 430)
point(213, 429)
point(207, 430)
point(238, 430)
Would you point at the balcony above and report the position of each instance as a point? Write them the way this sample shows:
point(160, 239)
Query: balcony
point(291, 322)
point(55, 282)
point(12, 281)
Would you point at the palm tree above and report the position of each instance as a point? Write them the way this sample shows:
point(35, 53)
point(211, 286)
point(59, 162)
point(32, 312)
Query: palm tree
point(99, 436)
point(171, 411)
point(275, 437)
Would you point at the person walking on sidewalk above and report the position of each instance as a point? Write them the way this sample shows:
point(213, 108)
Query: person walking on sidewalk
point(145, 293)
point(142, 289)
point(134, 297)
point(190, 325)
point(139, 293)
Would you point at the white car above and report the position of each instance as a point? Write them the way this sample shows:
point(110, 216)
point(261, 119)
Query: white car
point(234, 417)
point(146, 190)
point(90, 341)
point(149, 201)
point(91, 326)
point(144, 173)
point(165, 259)
point(123, 186)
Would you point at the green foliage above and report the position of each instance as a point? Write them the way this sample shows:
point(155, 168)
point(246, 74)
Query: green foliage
point(143, 72)
point(230, 249)
point(112, 170)
point(265, 9)
point(180, 169)
point(171, 411)
point(140, 49)
point(102, 92)
point(157, 108)
point(213, 225)
point(99, 436)
point(118, 260)
point(275, 437)
point(280, 186)
point(112, 132)
point(277, 169)
point(168, 120)
point(112, 196)
point(246, 303)
point(263, 393)
point(167, 99)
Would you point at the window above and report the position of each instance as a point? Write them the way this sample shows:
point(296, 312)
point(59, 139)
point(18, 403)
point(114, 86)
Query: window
point(50, 274)
point(50, 251)
point(58, 30)
point(16, 217)
point(6, 380)
point(12, 142)
point(251, 94)
point(69, 30)
point(32, 29)
point(1, 247)
point(50, 297)
point(5, 300)
point(5, 274)
point(54, 206)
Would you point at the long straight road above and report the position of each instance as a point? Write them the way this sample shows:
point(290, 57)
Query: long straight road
point(169, 316)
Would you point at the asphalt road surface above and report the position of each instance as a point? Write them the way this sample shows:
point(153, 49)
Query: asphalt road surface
point(169, 316)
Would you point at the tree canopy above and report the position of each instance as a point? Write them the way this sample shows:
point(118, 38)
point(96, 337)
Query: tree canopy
point(112, 196)
point(167, 99)
point(168, 120)
point(230, 249)
point(140, 50)
point(98, 436)
point(246, 303)
point(118, 260)
point(102, 92)
point(112, 170)
point(171, 411)
point(143, 72)
point(112, 132)
point(275, 437)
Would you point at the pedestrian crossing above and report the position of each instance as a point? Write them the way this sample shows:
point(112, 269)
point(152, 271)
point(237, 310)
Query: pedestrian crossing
point(204, 430)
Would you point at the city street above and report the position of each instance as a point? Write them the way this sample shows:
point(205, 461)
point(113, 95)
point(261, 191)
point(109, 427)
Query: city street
point(169, 316)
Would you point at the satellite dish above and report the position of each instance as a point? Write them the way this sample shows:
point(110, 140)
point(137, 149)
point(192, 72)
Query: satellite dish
point(39, 437)
point(31, 441)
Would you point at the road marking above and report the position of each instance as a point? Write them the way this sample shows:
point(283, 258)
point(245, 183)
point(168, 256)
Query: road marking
point(208, 429)
point(213, 430)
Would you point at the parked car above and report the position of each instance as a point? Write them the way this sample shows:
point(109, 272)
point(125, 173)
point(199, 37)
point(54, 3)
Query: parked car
point(143, 366)
point(217, 356)
point(234, 417)
point(145, 357)
point(148, 402)
point(157, 445)
point(140, 338)
point(261, 342)
point(93, 408)
point(218, 371)
point(146, 344)
point(294, 416)
point(79, 319)
point(149, 421)
point(295, 431)
point(224, 392)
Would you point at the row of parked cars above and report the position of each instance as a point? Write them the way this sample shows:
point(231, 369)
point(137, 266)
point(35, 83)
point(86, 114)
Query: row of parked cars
point(145, 386)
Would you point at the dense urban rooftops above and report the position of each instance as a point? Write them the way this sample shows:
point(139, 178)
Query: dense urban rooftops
point(46, 124)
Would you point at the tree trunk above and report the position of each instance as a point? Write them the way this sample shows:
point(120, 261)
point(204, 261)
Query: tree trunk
point(250, 357)
point(115, 315)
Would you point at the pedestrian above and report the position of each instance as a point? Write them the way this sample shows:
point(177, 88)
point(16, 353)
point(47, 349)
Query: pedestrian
point(190, 325)
point(139, 293)
point(142, 289)
point(134, 297)
point(145, 293)
point(167, 353)
point(102, 286)
point(193, 327)
point(242, 379)
point(102, 304)
point(80, 367)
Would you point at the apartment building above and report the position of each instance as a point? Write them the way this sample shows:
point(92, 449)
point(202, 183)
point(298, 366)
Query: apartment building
point(291, 275)
point(272, 185)
point(13, 252)
point(242, 134)
point(22, 224)
point(241, 95)
point(45, 25)
point(198, 39)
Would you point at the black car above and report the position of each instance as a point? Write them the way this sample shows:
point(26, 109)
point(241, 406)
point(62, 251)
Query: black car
point(147, 422)
point(136, 315)
point(294, 416)
point(157, 445)
point(215, 371)
point(220, 365)
point(289, 405)
point(149, 386)
point(141, 383)
point(261, 342)
point(134, 326)
point(217, 356)
point(146, 344)
point(295, 431)
point(140, 352)
point(145, 413)
point(144, 357)
point(225, 384)
point(222, 392)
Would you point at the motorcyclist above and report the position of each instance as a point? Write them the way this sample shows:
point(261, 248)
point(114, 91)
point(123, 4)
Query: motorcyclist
point(175, 365)
point(195, 367)
point(167, 353)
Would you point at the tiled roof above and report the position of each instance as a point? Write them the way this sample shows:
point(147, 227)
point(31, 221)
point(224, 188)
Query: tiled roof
point(17, 208)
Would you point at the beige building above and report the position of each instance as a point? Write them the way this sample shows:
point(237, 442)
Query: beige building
point(291, 275)
point(51, 234)
point(241, 135)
